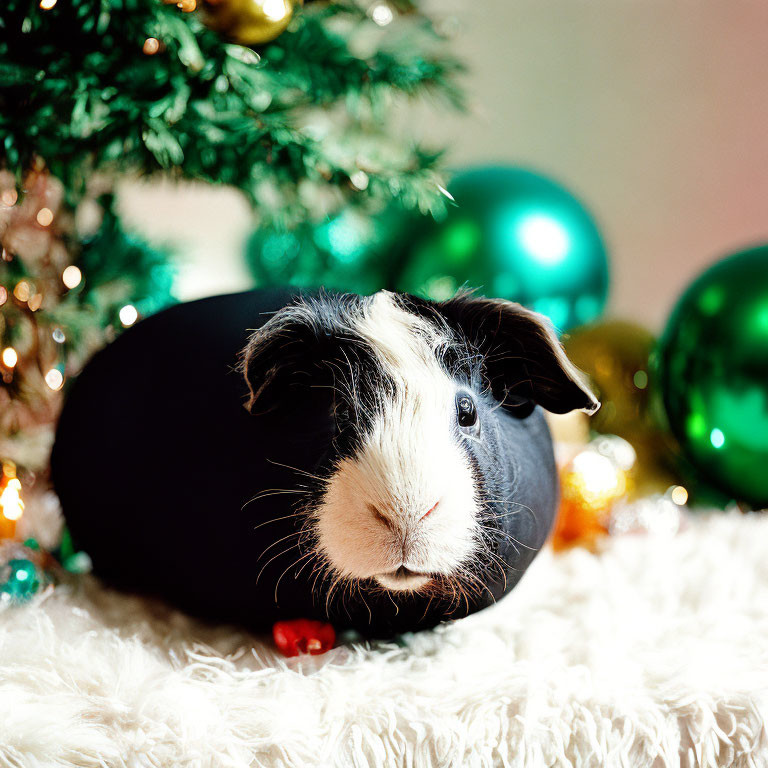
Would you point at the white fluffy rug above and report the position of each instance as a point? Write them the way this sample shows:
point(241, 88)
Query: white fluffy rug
point(654, 653)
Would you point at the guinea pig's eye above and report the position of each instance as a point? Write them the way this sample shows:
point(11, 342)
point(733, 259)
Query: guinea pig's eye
point(466, 411)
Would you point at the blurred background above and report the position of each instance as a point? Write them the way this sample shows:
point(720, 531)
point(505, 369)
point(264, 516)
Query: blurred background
point(653, 113)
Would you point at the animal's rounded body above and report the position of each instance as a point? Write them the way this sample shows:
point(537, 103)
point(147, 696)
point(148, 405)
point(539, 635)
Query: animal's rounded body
point(304, 487)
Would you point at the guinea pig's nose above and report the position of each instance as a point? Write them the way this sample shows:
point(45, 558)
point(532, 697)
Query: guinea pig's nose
point(429, 511)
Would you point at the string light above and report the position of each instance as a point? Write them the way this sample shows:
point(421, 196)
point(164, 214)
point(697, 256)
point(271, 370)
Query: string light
point(128, 315)
point(10, 500)
point(382, 14)
point(275, 10)
point(44, 217)
point(58, 336)
point(22, 291)
point(9, 197)
point(11, 503)
point(10, 358)
point(151, 46)
point(54, 379)
point(679, 495)
point(36, 302)
point(71, 276)
point(3, 295)
point(187, 6)
point(359, 180)
point(46, 5)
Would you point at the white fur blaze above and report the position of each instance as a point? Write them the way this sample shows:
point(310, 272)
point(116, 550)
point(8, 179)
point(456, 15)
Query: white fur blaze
point(372, 517)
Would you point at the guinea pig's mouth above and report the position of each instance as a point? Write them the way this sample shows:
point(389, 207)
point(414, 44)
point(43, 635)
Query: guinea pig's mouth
point(403, 579)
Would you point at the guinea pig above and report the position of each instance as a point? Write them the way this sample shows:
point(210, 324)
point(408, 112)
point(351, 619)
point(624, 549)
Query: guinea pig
point(380, 462)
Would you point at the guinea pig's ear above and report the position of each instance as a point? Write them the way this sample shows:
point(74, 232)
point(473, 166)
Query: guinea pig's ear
point(279, 355)
point(522, 356)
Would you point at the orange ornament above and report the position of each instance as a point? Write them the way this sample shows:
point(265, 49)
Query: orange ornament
point(591, 484)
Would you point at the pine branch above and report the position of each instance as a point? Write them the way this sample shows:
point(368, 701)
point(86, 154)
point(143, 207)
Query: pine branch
point(79, 92)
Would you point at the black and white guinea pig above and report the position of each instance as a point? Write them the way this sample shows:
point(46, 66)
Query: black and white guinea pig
point(380, 462)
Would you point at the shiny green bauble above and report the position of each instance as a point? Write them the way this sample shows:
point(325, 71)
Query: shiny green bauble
point(713, 373)
point(515, 235)
point(347, 253)
point(19, 580)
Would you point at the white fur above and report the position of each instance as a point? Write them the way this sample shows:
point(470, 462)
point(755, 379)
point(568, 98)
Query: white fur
point(651, 654)
point(370, 520)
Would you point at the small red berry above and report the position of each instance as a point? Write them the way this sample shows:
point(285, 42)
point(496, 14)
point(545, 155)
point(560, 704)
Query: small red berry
point(303, 636)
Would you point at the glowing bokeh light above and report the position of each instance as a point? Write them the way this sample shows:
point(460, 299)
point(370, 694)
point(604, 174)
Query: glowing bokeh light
point(22, 291)
point(54, 379)
point(9, 197)
point(545, 238)
point(275, 10)
point(44, 217)
point(717, 438)
point(10, 358)
point(71, 276)
point(599, 476)
point(10, 500)
point(382, 14)
point(679, 495)
point(128, 315)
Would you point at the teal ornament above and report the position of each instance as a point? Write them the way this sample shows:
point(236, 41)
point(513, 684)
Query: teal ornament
point(712, 370)
point(19, 580)
point(512, 234)
point(347, 252)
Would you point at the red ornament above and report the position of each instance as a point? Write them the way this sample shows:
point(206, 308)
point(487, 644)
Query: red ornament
point(303, 636)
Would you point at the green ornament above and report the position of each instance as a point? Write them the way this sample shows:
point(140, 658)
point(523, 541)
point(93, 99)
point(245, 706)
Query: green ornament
point(514, 235)
point(712, 367)
point(347, 253)
point(19, 580)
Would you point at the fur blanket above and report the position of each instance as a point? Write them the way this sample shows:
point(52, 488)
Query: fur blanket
point(653, 653)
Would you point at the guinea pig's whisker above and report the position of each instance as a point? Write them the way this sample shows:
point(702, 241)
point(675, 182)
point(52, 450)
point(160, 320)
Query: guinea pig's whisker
point(273, 492)
point(279, 554)
point(499, 533)
point(298, 573)
point(508, 536)
point(278, 519)
point(338, 580)
point(481, 587)
point(426, 610)
point(509, 501)
point(498, 562)
point(292, 565)
point(365, 602)
point(296, 469)
point(275, 543)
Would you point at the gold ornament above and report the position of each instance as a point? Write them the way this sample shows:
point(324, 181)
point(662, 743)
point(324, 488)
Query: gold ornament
point(250, 22)
point(615, 355)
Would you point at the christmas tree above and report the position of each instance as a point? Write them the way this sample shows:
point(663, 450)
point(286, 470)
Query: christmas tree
point(294, 106)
